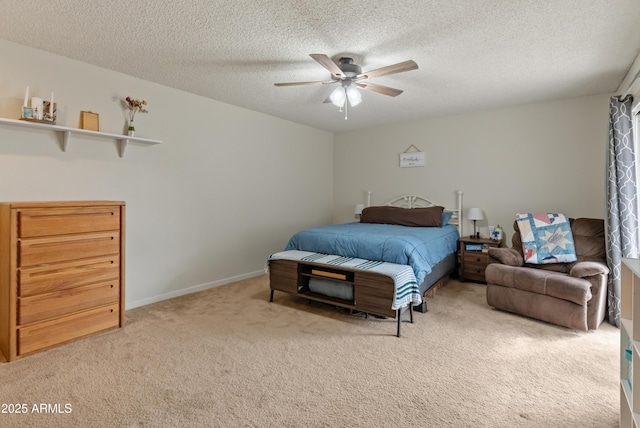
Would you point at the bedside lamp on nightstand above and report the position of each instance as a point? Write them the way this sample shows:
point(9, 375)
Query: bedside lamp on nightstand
point(475, 214)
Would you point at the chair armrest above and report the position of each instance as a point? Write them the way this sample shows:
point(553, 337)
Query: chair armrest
point(585, 269)
point(506, 256)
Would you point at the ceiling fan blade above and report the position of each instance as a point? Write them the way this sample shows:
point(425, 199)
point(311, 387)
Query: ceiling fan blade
point(326, 62)
point(384, 90)
point(315, 82)
point(390, 69)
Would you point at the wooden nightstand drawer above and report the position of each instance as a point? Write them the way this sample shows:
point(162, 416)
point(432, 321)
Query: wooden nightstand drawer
point(476, 257)
point(474, 272)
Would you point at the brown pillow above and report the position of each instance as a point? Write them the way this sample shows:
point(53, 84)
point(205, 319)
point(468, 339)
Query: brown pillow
point(422, 217)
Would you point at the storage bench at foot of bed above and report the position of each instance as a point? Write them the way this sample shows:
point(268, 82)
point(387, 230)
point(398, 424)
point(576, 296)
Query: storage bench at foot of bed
point(372, 293)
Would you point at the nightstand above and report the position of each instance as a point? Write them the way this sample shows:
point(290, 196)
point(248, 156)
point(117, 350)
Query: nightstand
point(474, 257)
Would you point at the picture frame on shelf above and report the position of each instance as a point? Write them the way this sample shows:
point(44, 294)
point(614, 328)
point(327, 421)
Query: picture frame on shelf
point(27, 112)
point(89, 121)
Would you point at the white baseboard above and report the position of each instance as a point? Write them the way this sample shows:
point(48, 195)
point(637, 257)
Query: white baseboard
point(190, 290)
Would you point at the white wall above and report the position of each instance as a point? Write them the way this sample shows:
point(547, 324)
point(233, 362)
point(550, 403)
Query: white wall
point(226, 188)
point(547, 157)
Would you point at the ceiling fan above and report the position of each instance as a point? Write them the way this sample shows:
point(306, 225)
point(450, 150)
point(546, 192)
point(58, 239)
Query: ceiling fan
point(351, 77)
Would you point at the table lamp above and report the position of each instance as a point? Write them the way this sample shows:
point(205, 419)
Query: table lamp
point(475, 214)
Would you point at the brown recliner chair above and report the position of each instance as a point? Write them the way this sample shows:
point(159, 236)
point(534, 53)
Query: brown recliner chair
point(573, 294)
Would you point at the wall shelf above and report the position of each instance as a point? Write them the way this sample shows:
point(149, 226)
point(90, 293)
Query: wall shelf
point(123, 140)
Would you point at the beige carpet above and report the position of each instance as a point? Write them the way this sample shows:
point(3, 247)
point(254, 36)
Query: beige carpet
point(227, 357)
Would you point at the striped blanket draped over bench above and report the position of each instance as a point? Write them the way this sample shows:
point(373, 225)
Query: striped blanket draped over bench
point(406, 291)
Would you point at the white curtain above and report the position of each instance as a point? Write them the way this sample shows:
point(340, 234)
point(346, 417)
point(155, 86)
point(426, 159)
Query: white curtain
point(622, 203)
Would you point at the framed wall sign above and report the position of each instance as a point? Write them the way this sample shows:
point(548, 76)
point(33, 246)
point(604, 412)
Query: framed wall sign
point(410, 160)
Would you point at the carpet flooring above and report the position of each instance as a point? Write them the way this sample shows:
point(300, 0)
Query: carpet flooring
point(226, 357)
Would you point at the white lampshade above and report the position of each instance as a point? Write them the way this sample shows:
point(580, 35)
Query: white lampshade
point(338, 96)
point(353, 95)
point(475, 214)
point(359, 209)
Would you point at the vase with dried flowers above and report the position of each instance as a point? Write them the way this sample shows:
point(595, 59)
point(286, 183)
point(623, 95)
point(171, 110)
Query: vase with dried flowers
point(134, 106)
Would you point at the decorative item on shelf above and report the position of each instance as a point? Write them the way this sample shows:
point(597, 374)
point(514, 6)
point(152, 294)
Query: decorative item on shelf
point(40, 110)
point(37, 106)
point(27, 112)
point(89, 121)
point(497, 233)
point(475, 214)
point(50, 112)
point(134, 107)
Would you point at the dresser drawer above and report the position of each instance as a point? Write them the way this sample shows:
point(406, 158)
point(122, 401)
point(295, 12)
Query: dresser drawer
point(41, 251)
point(37, 222)
point(59, 303)
point(61, 276)
point(50, 333)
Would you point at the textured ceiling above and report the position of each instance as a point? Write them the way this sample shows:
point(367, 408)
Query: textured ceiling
point(472, 54)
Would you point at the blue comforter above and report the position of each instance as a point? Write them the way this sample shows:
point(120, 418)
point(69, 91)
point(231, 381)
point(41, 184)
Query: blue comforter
point(419, 247)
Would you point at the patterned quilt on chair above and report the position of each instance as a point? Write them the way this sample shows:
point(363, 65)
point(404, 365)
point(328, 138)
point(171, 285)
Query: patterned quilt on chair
point(546, 238)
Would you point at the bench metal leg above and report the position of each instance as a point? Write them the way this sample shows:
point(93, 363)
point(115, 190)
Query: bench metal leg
point(399, 316)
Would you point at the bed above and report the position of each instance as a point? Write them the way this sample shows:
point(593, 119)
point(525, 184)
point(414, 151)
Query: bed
point(395, 257)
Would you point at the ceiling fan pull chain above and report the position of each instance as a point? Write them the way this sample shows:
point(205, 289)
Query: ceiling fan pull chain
point(346, 106)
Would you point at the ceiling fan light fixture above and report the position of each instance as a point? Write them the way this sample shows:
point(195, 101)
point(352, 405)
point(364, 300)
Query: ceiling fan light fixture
point(338, 96)
point(354, 96)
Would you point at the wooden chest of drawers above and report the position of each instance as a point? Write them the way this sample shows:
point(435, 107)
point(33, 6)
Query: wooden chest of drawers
point(61, 272)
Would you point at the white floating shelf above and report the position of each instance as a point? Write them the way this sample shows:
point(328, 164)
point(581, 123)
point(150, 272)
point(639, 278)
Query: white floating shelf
point(123, 140)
